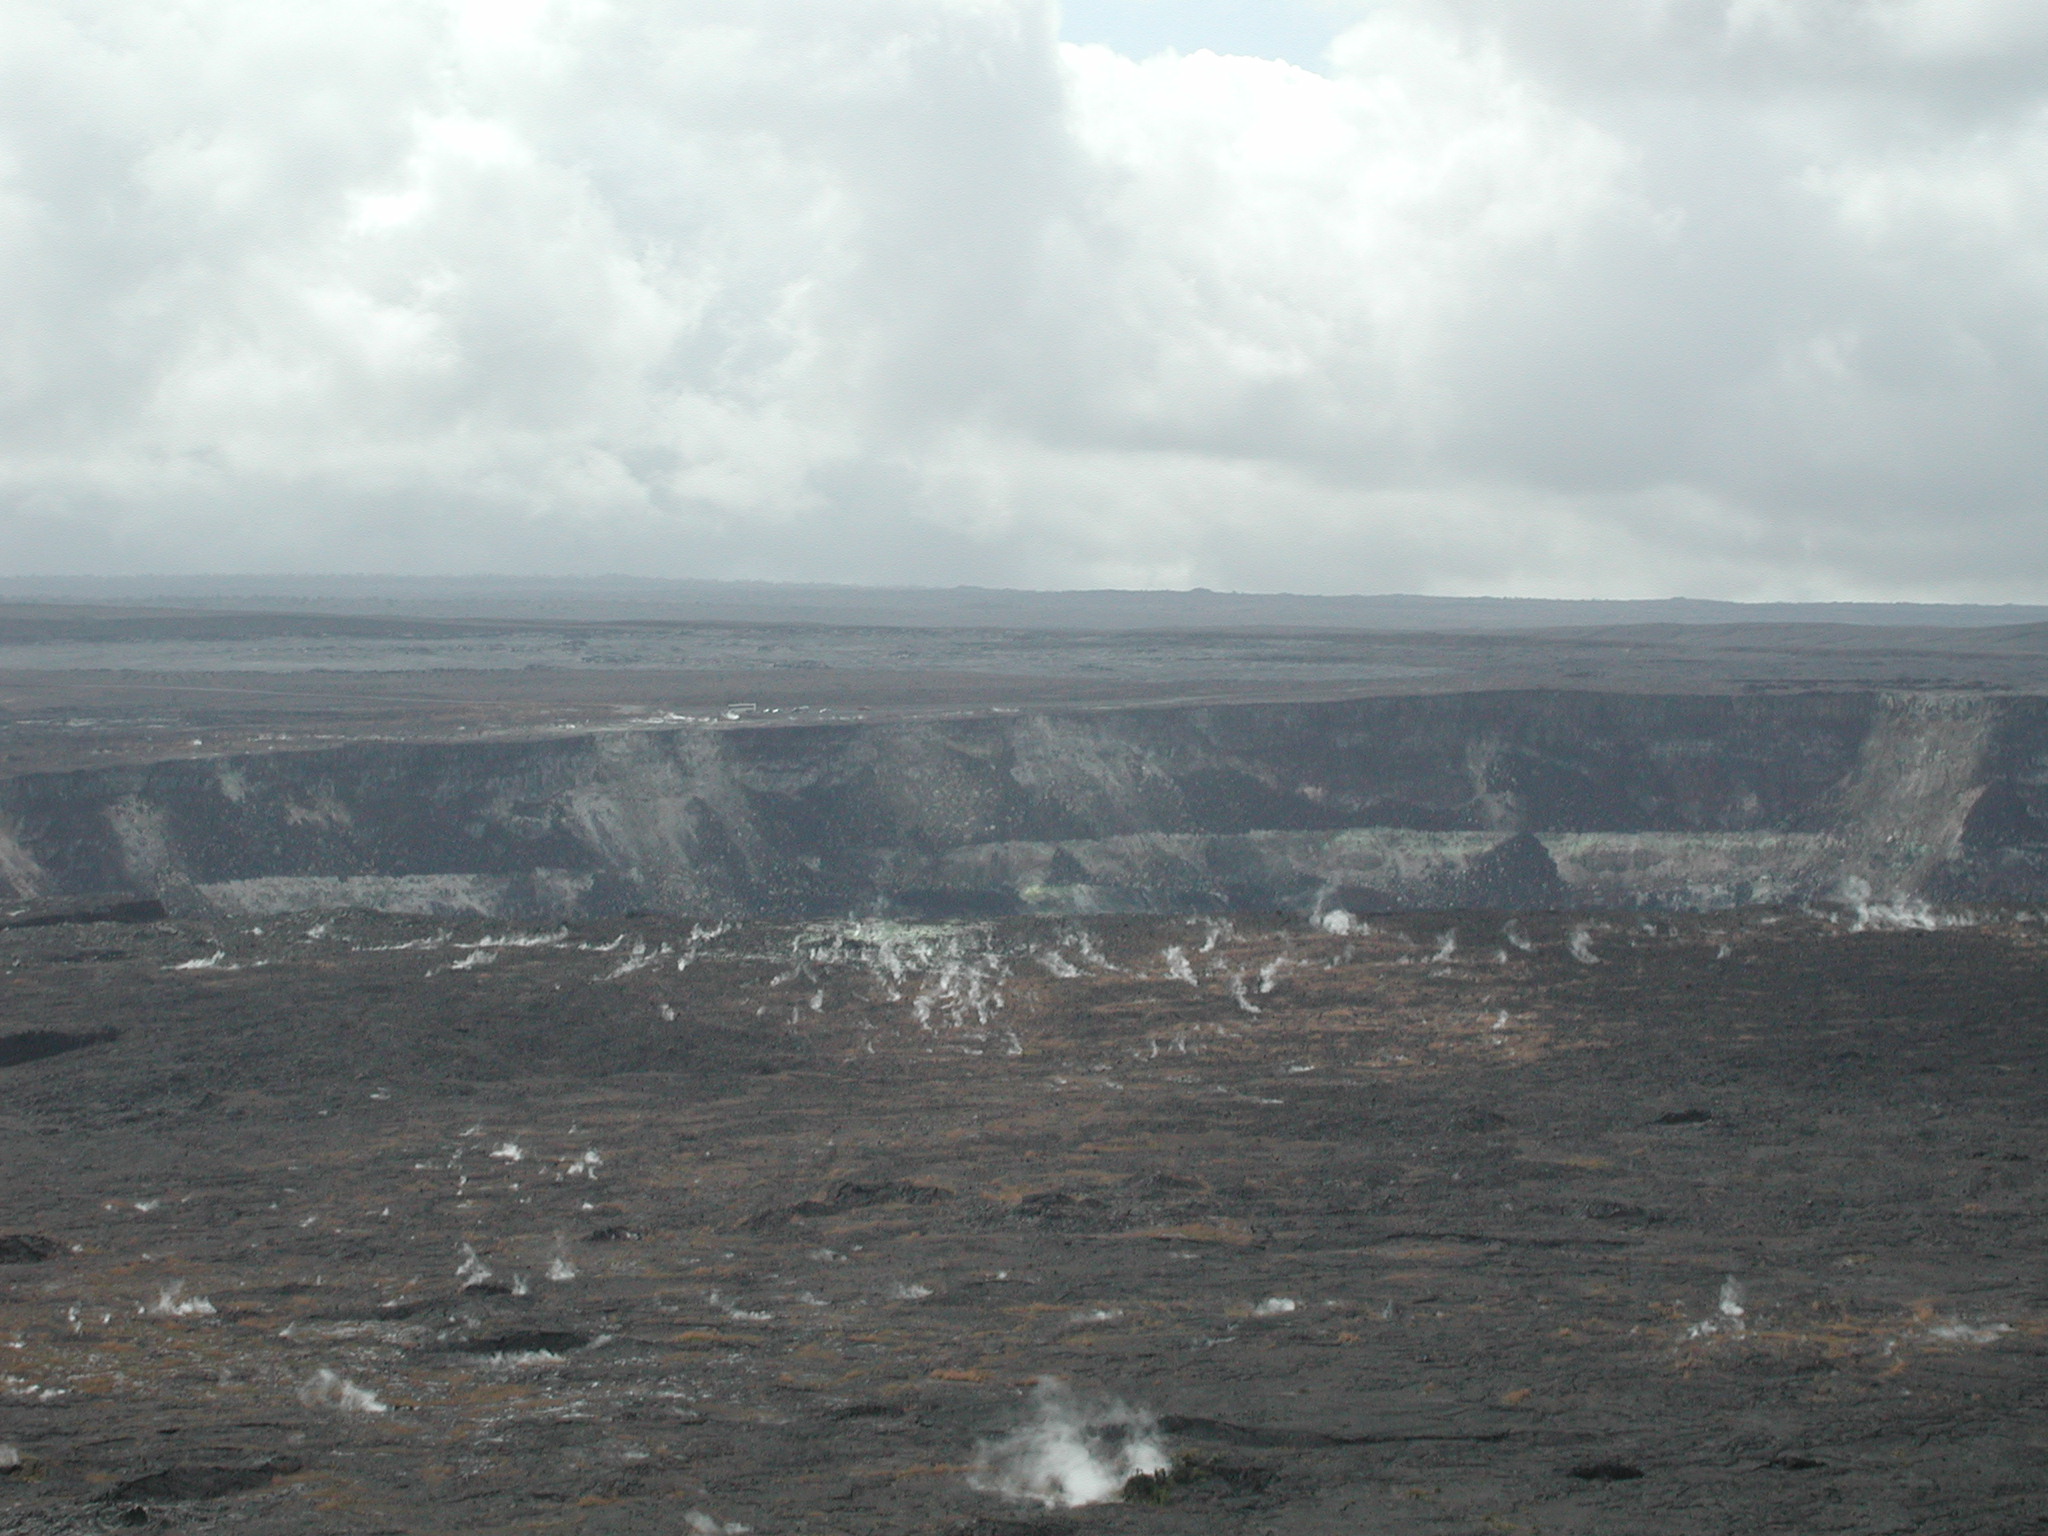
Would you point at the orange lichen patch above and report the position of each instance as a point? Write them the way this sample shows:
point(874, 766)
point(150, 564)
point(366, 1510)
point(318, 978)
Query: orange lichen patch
point(814, 1352)
point(957, 1373)
point(475, 1392)
point(327, 1492)
point(1431, 1252)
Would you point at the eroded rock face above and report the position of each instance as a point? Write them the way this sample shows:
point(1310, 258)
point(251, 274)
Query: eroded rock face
point(1525, 799)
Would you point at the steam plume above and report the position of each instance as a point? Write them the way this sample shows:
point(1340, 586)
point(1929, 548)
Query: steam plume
point(1071, 1451)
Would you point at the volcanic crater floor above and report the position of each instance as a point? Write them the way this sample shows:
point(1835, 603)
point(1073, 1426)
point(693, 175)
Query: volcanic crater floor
point(1458, 1223)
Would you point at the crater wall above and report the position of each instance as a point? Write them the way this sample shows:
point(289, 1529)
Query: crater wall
point(1526, 798)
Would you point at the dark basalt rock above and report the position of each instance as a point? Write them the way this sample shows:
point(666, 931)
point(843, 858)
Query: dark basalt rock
point(176, 1484)
point(2001, 818)
point(1605, 1472)
point(1065, 869)
point(523, 1341)
point(86, 909)
point(28, 1248)
point(27, 1045)
point(847, 1196)
point(1516, 875)
point(1227, 1433)
point(852, 1196)
point(1064, 1210)
point(1223, 1431)
point(1480, 1306)
point(400, 1309)
point(1616, 1210)
point(1191, 1472)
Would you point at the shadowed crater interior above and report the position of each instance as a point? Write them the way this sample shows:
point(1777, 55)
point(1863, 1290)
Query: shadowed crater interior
point(854, 1197)
point(27, 1045)
point(174, 1484)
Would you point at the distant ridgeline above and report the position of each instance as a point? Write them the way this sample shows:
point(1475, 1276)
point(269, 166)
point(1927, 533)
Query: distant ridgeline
point(1523, 799)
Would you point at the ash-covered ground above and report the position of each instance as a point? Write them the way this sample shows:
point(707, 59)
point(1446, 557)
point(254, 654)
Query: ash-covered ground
point(1455, 1224)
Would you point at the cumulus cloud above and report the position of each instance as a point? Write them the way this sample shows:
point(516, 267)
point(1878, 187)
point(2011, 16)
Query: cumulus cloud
point(1729, 297)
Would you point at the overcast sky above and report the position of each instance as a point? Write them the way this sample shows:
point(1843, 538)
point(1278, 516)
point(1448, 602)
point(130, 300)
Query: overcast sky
point(1727, 298)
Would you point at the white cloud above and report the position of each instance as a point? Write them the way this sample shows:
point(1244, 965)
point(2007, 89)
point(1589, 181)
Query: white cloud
point(1729, 297)
point(1298, 31)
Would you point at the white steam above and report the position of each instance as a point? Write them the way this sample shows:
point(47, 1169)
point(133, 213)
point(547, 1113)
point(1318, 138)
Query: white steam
point(639, 959)
point(1238, 995)
point(172, 1302)
point(472, 1271)
point(326, 1389)
point(1968, 1333)
point(951, 974)
point(217, 961)
point(1071, 1451)
point(1732, 1318)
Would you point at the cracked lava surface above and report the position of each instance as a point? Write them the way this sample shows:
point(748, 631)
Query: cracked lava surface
point(1447, 1223)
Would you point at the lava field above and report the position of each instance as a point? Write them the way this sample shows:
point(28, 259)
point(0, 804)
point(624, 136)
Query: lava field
point(1435, 1223)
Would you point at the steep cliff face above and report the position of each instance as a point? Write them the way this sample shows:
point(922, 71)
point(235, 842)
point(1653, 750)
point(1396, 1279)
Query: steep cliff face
point(1529, 798)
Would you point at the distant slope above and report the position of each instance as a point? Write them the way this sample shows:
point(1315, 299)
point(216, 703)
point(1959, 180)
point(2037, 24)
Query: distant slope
point(622, 598)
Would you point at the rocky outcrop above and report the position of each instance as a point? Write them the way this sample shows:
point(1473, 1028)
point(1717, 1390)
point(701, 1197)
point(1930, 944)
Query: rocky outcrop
point(1508, 799)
